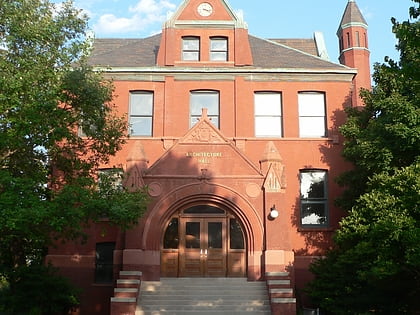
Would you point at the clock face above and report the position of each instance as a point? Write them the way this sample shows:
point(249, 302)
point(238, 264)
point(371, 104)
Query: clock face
point(205, 9)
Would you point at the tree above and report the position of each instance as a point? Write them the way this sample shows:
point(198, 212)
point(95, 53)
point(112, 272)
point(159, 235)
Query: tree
point(48, 96)
point(375, 266)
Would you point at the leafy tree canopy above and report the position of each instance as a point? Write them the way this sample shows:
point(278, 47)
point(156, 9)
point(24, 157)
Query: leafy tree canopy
point(385, 134)
point(48, 95)
point(375, 266)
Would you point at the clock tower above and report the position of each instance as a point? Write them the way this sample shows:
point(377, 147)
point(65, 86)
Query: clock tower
point(205, 33)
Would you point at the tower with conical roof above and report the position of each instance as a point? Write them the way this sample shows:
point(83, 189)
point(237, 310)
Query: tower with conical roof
point(354, 49)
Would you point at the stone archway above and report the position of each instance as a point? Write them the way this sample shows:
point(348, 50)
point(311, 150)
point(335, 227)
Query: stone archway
point(210, 194)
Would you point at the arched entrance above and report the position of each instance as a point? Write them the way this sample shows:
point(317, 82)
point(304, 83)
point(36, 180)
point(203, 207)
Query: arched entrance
point(203, 241)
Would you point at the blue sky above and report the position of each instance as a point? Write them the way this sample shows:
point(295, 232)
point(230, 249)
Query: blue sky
point(265, 19)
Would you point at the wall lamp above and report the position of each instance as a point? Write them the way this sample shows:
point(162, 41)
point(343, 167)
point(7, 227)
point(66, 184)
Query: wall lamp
point(274, 213)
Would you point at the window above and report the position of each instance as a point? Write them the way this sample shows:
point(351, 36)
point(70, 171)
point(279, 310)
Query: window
point(236, 240)
point(204, 99)
point(191, 48)
point(85, 129)
point(141, 113)
point(110, 179)
point(268, 114)
point(171, 238)
point(312, 115)
point(104, 262)
point(92, 122)
point(313, 198)
point(357, 39)
point(218, 49)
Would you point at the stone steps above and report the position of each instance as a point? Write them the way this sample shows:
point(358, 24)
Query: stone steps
point(281, 293)
point(203, 296)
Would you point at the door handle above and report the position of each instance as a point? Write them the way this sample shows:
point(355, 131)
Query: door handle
point(205, 252)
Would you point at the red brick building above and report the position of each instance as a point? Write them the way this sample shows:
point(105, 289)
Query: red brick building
point(236, 138)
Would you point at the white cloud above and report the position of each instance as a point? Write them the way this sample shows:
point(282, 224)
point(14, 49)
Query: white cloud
point(144, 14)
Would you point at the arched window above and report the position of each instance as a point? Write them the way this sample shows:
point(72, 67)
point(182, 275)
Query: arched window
point(141, 113)
point(191, 48)
point(312, 120)
point(218, 49)
point(313, 198)
point(268, 114)
point(204, 99)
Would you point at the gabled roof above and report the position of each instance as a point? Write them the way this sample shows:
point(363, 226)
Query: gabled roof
point(352, 15)
point(108, 52)
point(203, 142)
point(228, 14)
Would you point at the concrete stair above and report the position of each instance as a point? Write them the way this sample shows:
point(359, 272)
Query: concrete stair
point(203, 296)
point(281, 293)
point(126, 293)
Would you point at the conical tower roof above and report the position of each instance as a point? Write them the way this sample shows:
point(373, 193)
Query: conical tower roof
point(352, 16)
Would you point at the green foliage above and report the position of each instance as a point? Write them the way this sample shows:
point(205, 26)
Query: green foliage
point(385, 133)
point(375, 265)
point(38, 290)
point(47, 169)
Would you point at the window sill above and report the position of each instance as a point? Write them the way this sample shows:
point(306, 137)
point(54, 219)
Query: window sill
point(315, 229)
point(289, 139)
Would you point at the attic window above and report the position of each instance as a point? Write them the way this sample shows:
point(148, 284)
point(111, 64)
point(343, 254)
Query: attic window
point(218, 49)
point(191, 48)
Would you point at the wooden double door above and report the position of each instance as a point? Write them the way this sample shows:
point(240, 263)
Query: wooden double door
point(204, 246)
point(203, 249)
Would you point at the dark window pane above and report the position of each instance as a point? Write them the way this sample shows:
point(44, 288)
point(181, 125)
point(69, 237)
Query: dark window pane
point(192, 235)
point(236, 235)
point(313, 185)
point(313, 194)
point(214, 235)
point(104, 263)
point(314, 213)
point(171, 239)
point(204, 210)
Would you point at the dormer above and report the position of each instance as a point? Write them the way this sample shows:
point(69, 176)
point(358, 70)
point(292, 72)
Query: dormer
point(204, 33)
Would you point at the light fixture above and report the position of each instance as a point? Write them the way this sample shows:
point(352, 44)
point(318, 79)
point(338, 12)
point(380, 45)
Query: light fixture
point(274, 213)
